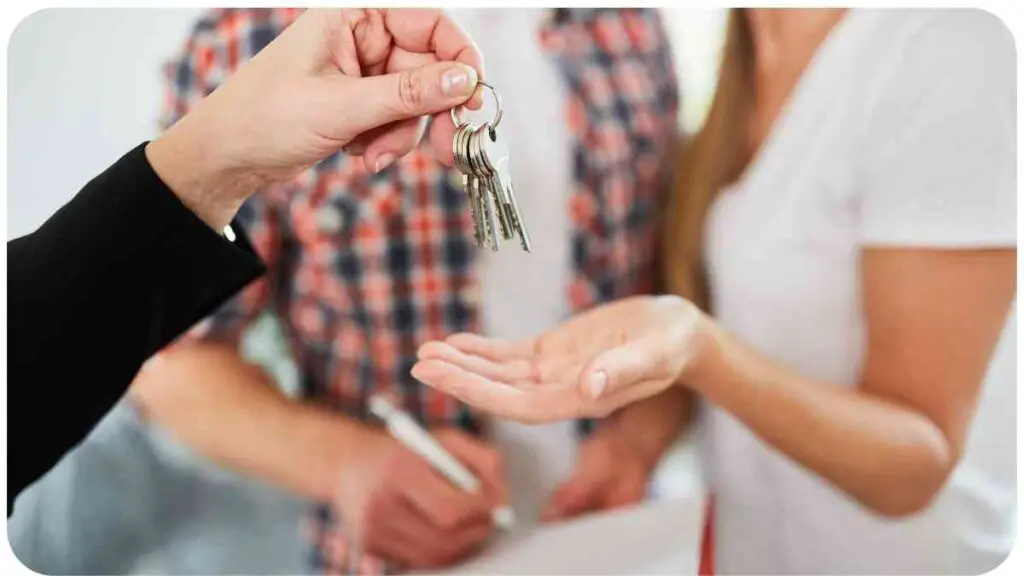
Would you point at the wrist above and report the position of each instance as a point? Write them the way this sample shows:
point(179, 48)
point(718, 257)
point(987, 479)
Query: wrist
point(354, 448)
point(188, 160)
point(706, 355)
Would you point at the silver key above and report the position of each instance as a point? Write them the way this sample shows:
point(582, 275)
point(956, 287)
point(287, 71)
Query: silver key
point(458, 151)
point(485, 195)
point(481, 155)
point(496, 154)
point(494, 192)
point(502, 199)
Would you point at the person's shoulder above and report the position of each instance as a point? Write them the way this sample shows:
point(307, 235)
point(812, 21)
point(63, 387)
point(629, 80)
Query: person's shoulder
point(947, 38)
point(953, 55)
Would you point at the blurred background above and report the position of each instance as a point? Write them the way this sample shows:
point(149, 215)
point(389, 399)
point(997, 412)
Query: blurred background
point(86, 86)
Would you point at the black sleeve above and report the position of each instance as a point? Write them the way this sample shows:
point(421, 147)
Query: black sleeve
point(115, 275)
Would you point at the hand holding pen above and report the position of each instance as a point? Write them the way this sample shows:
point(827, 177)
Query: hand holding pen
point(398, 507)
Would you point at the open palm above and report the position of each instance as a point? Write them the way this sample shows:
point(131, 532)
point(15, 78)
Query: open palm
point(588, 366)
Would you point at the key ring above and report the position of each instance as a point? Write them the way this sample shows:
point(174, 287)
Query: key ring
point(497, 114)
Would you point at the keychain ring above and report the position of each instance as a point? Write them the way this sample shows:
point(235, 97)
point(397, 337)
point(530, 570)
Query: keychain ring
point(497, 102)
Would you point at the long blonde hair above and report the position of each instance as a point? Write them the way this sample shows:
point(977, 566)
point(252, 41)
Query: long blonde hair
point(713, 159)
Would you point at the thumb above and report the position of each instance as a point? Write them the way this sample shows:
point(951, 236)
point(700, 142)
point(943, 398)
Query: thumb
point(380, 100)
point(619, 368)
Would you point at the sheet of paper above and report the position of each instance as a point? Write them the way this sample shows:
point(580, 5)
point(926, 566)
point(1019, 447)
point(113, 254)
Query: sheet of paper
point(655, 538)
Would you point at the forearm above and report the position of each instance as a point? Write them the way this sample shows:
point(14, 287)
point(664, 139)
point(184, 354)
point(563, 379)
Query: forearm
point(231, 412)
point(890, 458)
point(124, 255)
point(652, 425)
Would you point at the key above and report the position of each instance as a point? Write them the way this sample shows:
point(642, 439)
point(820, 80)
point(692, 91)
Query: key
point(502, 199)
point(478, 208)
point(467, 177)
point(470, 183)
point(485, 196)
point(482, 157)
point(494, 191)
point(495, 151)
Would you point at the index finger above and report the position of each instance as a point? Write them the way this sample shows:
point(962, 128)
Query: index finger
point(538, 405)
point(495, 349)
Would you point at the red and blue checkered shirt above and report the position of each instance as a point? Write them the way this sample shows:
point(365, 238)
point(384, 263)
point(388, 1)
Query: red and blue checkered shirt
point(365, 267)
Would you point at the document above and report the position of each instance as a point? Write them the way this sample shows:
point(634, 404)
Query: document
point(656, 538)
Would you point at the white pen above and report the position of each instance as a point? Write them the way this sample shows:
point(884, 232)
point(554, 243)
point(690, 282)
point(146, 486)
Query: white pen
point(402, 426)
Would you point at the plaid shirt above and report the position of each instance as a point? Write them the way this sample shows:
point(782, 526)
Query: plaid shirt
point(365, 267)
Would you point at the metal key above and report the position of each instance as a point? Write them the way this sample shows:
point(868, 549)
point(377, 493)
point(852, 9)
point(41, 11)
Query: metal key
point(461, 163)
point(481, 155)
point(477, 208)
point(502, 199)
point(485, 194)
point(484, 174)
point(495, 152)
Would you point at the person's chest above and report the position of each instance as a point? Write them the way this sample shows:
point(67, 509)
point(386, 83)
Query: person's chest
point(375, 264)
point(586, 127)
point(782, 244)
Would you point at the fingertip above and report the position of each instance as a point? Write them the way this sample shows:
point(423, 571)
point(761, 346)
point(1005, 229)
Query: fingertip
point(421, 371)
point(462, 339)
point(432, 370)
point(429, 350)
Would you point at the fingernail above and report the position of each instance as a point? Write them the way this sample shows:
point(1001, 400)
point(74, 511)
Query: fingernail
point(596, 383)
point(417, 371)
point(460, 80)
point(383, 161)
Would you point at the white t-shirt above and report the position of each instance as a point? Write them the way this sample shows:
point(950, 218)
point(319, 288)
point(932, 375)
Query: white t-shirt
point(526, 293)
point(900, 133)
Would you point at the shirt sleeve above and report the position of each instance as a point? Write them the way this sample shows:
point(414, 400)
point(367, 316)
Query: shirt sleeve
point(108, 280)
point(940, 147)
point(204, 62)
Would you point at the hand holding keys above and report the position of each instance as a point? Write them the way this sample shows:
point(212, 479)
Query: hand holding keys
point(481, 154)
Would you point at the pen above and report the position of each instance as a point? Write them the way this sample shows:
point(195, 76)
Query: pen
point(404, 429)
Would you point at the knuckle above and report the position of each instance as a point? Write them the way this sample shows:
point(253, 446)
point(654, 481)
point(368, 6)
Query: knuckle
point(410, 90)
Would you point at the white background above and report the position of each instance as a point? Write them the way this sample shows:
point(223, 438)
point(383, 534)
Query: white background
point(84, 87)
